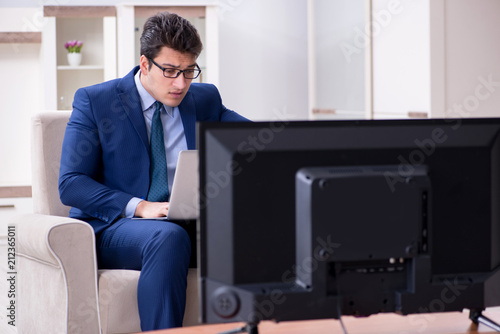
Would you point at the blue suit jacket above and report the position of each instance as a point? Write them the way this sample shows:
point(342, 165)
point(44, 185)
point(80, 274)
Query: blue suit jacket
point(105, 155)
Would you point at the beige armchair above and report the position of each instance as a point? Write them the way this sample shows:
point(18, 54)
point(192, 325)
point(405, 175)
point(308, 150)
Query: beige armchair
point(59, 287)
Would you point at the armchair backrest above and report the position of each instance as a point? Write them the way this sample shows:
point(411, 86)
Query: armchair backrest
point(47, 134)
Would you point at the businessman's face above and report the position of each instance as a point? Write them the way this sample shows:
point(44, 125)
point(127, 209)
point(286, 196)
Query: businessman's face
point(169, 91)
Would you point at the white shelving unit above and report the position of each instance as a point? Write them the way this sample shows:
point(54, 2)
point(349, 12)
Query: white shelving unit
point(111, 44)
point(96, 27)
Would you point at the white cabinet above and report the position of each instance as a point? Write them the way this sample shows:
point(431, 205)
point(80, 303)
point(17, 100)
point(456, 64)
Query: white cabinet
point(368, 59)
point(403, 59)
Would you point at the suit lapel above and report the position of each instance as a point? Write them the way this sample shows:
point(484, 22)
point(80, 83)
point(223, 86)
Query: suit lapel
point(187, 109)
point(131, 104)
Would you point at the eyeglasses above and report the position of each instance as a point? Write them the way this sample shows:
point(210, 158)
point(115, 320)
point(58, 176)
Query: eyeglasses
point(170, 72)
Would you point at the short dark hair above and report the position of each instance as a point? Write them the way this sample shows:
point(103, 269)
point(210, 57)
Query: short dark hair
point(170, 30)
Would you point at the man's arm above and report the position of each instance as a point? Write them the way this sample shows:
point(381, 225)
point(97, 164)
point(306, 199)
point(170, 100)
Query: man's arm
point(209, 105)
point(231, 116)
point(82, 164)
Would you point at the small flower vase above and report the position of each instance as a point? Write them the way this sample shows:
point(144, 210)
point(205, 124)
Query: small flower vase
point(74, 58)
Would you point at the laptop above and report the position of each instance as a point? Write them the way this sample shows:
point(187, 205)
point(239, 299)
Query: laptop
point(184, 195)
point(185, 188)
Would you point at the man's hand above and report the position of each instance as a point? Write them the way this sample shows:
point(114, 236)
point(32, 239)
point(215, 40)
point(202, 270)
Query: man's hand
point(147, 209)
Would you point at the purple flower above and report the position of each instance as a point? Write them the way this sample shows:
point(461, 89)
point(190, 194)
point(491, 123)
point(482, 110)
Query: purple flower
point(73, 46)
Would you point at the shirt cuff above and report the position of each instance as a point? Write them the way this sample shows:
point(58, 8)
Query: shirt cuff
point(131, 206)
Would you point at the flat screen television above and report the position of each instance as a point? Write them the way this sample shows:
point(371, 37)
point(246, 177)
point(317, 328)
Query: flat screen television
point(321, 219)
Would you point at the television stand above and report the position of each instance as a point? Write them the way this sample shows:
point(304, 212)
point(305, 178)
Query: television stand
point(250, 328)
point(477, 317)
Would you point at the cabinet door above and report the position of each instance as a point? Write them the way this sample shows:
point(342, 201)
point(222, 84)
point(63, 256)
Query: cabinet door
point(401, 58)
point(337, 52)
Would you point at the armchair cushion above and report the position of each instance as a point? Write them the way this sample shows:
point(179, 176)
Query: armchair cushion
point(118, 301)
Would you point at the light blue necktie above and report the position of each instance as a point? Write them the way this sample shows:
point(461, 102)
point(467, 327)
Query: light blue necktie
point(158, 187)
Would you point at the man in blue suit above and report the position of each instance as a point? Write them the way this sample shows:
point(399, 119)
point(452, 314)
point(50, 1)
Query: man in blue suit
point(106, 171)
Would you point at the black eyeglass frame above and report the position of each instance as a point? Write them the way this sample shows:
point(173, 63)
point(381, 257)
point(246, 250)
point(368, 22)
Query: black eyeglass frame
point(178, 71)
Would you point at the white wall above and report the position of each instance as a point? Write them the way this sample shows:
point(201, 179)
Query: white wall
point(472, 53)
point(263, 58)
point(438, 56)
point(21, 96)
point(17, 107)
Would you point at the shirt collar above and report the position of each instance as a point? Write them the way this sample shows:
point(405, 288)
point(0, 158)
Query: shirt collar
point(147, 101)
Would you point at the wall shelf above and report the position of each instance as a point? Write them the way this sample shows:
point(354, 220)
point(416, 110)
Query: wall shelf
point(80, 67)
point(15, 191)
point(79, 11)
point(21, 37)
point(184, 11)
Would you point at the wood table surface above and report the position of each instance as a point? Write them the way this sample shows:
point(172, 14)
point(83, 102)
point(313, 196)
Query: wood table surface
point(388, 323)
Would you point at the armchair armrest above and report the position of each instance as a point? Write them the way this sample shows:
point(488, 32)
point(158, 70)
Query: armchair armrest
point(57, 275)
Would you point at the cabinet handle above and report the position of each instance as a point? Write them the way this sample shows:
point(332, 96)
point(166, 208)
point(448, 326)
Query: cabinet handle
point(7, 206)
